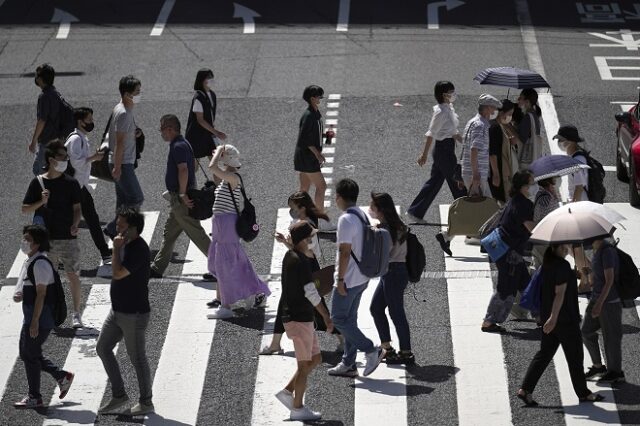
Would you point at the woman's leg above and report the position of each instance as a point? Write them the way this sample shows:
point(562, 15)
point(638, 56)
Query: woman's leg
point(548, 347)
point(305, 182)
point(317, 179)
point(377, 309)
point(394, 287)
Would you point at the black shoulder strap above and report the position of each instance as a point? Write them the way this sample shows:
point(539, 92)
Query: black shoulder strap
point(244, 194)
point(30, 273)
point(106, 129)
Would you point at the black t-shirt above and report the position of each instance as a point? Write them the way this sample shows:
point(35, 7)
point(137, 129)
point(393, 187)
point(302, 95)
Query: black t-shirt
point(518, 210)
point(310, 133)
point(556, 273)
point(130, 295)
point(49, 112)
point(296, 273)
point(64, 192)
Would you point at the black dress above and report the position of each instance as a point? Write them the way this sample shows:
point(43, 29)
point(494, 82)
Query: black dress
point(200, 139)
point(310, 134)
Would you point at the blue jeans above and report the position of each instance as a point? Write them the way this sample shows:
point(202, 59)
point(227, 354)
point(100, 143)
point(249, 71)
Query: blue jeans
point(344, 313)
point(38, 162)
point(34, 361)
point(390, 293)
point(128, 193)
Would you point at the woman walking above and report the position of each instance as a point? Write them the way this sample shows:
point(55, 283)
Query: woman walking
point(308, 154)
point(201, 132)
point(390, 290)
point(529, 127)
point(560, 315)
point(503, 152)
point(444, 130)
point(227, 260)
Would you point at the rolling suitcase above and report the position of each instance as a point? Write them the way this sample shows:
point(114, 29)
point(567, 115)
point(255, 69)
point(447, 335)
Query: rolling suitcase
point(468, 214)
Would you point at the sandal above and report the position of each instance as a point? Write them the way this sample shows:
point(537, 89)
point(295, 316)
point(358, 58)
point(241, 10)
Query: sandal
point(527, 398)
point(493, 328)
point(268, 351)
point(592, 397)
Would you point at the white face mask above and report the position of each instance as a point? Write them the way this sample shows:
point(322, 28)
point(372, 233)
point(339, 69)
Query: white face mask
point(136, 99)
point(209, 83)
point(311, 243)
point(452, 97)
point(494, 115)
point(60, 166)
point(562, 145)
point(25, 247)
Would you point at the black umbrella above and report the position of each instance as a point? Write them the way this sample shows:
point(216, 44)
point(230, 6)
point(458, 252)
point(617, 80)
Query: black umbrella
point(511, 77)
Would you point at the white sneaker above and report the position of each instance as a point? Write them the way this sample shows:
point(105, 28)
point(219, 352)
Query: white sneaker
point(76, 320)
point(140, 409)
point(221, 313)
point(343, 370)
point(373, 360)
point(304, 414)
point(412, 219)
point(286, 398)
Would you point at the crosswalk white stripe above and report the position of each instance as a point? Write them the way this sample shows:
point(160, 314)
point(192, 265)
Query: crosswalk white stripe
point(477, 355)
point(189, 337)
point(10, 321)
point(91, 379)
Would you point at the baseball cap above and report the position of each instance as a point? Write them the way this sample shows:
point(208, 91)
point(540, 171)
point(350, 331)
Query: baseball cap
point(231, 156)
point(569, 133)
point(487, 100)
point(301, 230)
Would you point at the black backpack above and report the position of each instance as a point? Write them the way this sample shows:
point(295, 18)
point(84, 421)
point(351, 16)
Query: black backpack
point(628, 283)
point(246, 224)
point(59, 301)
point(416, 258)
point(66, 123)
point(597, 191)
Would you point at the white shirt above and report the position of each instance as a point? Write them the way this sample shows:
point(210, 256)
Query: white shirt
point(198, 107)
point(350, 232)
point(42, 272)
point(444, 122)
point(581, 177)
point(79, 151)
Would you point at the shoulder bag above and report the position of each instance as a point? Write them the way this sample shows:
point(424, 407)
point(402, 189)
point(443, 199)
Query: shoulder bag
point(246, 225)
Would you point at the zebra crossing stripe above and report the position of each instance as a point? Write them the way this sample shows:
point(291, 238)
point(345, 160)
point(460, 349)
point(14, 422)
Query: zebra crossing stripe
point(11, 321)
point(185, 353)
point(91, 379)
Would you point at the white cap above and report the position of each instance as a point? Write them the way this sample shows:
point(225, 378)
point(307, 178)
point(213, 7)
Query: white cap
point(487, 100)
point(230, 156)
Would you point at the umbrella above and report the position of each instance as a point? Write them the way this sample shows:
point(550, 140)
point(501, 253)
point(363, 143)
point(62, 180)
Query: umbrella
point(511, 77)
point(571, 228)
point(555, 165)
point(601, 210)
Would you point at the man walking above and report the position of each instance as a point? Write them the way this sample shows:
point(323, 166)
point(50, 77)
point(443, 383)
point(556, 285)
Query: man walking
point(48, 115)
point(350, 284)
point(122, 146)
point(129, 315)
point(179, 177)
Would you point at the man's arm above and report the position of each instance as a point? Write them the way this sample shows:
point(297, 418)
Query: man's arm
point(558, 300)
point(41, 292)
point(344, 253)
point(119, 271)
point(36, 134)
point(77, 216)
point(609, 278)
point(118, 155)
point(183, 182)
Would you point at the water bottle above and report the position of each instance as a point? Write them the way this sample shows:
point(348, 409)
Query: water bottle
point(329, 135)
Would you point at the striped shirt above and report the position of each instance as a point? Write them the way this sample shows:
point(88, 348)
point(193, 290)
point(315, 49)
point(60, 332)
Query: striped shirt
point(476, 136)
point(224, 202)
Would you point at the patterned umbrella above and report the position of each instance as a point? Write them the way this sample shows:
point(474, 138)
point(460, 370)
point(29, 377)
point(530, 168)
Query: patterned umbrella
point(511, 77)
point(555, 165)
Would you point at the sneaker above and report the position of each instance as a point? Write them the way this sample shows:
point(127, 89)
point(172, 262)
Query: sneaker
point(106, 259)
point(612, 377)
point(445, 245)
point(155, 274)
point(65, 383)
point(402, 357)
point(215, 303)
point(373, 360)
point(304, 414)
point(209, 277)
point(389, 353)
point(139, 409)
point(28, 402)
point(286, 398)
point(114, 406)
point(593, 372)
point(413, 219)
point(76, 320)
point(221, 313)
point(108, 233)
point(260, 301)
point(343, 370)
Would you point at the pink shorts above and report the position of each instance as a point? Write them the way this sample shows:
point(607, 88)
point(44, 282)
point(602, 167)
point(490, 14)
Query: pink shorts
point(305, 341)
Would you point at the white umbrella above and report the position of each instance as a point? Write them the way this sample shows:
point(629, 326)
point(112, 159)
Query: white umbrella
point(601, 210)
point(571, 228)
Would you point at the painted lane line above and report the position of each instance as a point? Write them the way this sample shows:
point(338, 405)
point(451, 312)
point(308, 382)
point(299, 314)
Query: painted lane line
point(329, 160)
point(189, 338)
point(609, 168)
point(11, 320)
point(331, 121)
point(477, 355)
point(329, 180)
point(326, 170)
point(327, 203)
point(331, 113)
point(329, 149)
point(248, 17)
point(274, 371)
point(333, 104)
point(433, 18)
point(91, 380)
point(328, 192)
point(65, 19)
point(343, 16)
point(334, 97)
point(158, 28)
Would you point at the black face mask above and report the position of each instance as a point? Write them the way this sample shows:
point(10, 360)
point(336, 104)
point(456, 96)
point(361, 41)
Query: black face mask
point(88, 126)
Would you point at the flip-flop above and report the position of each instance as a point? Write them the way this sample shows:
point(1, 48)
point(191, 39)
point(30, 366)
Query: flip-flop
point(268, 351)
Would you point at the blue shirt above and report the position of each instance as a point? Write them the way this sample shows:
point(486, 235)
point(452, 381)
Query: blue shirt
point(179, 152)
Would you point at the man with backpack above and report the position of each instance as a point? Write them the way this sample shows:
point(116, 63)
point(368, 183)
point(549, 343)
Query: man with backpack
point(351, 282)
point(36, 288)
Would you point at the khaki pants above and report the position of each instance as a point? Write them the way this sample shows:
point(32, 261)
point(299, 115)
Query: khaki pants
point(179, 221)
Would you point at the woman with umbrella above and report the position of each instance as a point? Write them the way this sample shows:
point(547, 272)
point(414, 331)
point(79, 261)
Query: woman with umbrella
point(529, 127)
point(503, 152)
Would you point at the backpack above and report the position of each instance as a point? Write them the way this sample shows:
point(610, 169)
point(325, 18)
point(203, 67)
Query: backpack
point(628, 283)
point(66, 123)
point(246, 224)
point(376, 247)
point(59, 302)
point(597, 191)
point(416, 258)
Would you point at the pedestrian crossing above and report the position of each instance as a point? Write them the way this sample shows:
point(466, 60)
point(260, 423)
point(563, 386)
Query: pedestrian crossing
point(483, 382)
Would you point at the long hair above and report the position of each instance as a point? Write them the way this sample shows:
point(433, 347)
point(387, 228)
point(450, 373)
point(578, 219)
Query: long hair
point(532, 96)
point(519, 180)
point(550, 255)
point(384, 203)
point(303, 199)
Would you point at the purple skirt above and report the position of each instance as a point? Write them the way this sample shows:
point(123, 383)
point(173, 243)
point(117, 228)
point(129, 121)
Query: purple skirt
point(227, 260)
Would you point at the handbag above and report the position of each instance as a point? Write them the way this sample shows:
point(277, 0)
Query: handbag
point(495, 246)
point(203, 198)
point(246, 225)
point(323, 279)
point(100, 169)
point(468, 214)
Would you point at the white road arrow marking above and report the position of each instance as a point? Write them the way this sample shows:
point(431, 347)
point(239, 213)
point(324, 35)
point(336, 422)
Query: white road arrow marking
point(247, 15)
point(158, 28)
point(433, 19)
point(65, 19)
point(630, 15)
point(343, 15)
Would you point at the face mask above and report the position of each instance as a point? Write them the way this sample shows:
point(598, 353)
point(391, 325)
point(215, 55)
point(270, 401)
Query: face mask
point(311, 243)
point(60, 166)
point(209, 83)
point(25, 247)
point(562, 145)
point(493, 115)
point(452, 97)
point(88, 127)
point(136, 99)
point(294, 214)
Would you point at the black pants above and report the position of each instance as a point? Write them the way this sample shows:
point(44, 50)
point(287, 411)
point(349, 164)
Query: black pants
point(443, 168)
point(34, 361)
point(567, 335)
point(278, 327)
point(93, 222)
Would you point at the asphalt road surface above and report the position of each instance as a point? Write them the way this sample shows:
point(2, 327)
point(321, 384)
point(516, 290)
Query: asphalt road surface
point(381, 59)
